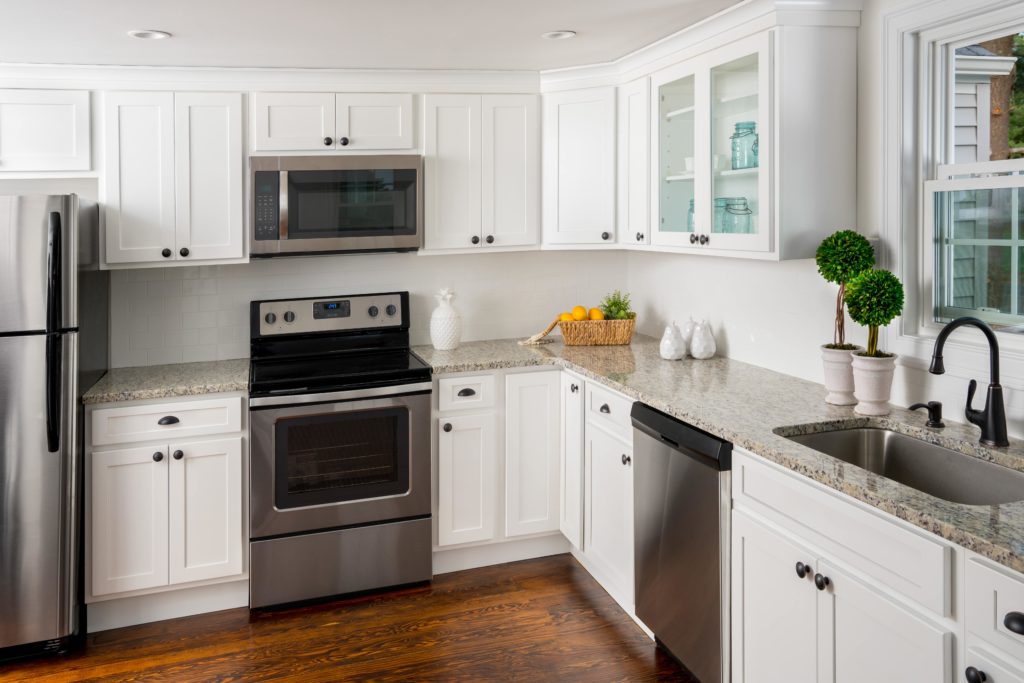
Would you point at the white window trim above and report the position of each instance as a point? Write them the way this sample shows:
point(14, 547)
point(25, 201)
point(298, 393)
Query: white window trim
point(916, 41)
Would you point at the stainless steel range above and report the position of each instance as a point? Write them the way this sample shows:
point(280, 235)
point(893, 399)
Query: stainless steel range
point(339, 412)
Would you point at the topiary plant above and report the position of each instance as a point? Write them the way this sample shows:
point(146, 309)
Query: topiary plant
point(840, 257)
point(615, 306)
point(874, 298)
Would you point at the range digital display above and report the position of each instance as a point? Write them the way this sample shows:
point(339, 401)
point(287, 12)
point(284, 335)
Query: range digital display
point(332, 309)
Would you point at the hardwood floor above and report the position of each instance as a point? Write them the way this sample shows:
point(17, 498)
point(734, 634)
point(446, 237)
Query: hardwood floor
point(537, 620)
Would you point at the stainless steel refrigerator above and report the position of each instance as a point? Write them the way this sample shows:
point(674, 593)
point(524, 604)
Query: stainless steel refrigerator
point(54, 304)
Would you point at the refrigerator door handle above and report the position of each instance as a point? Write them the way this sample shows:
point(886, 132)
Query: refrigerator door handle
point(54, 268)
point(54, 375)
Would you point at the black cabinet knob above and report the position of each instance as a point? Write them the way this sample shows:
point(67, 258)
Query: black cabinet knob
point(447, 426)
point(822, 582)
point(328, 141)
point(626, 460)
point(489, 239)
point(803, 570)
point(693, 238)
point(606, 236)
point(574, 388)
point(184, 252)
point(704, 239)
point(166, 253)
point(373, 311)
point(974, 675)
point(475, 239)
point(343, 142)
point(1014, 621)
point(177, 455)
point(158, 456)
point(639, 237)
point(270, 318)
point(605, 409)
point(167, 420)
point(289, 317)
point(391, 309)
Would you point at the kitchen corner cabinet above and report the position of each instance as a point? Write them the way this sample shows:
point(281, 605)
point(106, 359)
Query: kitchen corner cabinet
point(173, 178)
point(532, 452)
point(482, 171)
point(292, 122)
point(739, 137)
point(44, 130)
point(634, 154)
point(579, 167)
point(571, 459)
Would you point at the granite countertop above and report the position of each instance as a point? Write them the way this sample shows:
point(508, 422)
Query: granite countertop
point(751, 406)
point(165, 381)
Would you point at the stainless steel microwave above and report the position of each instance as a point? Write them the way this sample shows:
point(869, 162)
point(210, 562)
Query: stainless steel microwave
point(335, 204)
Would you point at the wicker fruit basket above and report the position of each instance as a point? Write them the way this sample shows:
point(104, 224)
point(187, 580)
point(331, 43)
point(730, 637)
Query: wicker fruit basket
point(597, 332)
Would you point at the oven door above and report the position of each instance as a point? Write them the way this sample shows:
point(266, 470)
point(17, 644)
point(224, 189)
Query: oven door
point(338, 460)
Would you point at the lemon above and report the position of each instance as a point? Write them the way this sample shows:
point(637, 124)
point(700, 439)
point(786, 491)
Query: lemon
point(566, 317)
point(579, 313)
point(596, 314)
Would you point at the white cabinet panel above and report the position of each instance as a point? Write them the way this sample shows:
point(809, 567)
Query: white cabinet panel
point(571, 459)
point(990, 594)
point(208, 175)
point(166, 421)
point(609, 504)
point(129, 519)
point(374, 121)
point(293, 121)
point(579, 167)
point(139, 173)
point(205, 509)
point(994, 668)
point(44, 130)
point(465, 393)
point(467, 484)
point(452, 199)
point(634, 162)
point(531, 452)
point(510, 163)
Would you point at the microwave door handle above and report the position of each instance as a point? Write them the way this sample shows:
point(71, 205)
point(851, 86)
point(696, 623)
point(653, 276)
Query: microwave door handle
point(282, 219)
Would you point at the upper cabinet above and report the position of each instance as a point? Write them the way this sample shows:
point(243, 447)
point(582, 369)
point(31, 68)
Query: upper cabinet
point(481, 171)
point(634, 162)
point(173, 177)
point(579, 167)
point(285, 121)
point(44, 130)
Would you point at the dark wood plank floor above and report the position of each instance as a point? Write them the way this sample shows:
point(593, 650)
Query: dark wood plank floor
point(537, 620)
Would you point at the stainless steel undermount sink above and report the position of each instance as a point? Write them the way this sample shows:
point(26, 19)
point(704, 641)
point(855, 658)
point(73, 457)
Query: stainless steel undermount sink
point(935, 470)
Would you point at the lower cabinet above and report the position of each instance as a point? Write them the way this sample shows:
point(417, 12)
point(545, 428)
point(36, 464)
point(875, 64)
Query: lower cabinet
point(570, 457)
point(609, 506)
point(532, 453)
point(467, 478)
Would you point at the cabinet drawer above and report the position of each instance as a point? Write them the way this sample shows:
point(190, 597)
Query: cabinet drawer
point(130, 424)
point(995, 670)
point(610, 410)
point(464, 393)
point(990, 595)
point(907, 562)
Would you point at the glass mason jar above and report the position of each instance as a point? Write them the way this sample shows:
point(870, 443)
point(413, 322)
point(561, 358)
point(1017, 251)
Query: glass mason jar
point(736, 218)
point(744, 145)
point(718, 217)
point(689, 218)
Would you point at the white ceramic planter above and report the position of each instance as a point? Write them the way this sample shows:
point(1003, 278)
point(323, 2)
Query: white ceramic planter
point(839, 375)
point(872, 378)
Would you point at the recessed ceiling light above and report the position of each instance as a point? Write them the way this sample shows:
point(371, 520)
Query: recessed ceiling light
point(558, 35)
point(149, 34)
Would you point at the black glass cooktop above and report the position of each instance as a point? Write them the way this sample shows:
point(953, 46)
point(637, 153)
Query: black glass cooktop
point(336, 372)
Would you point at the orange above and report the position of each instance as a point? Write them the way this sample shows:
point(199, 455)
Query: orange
point(596, 314)
point(579, 313)
point(566, 317)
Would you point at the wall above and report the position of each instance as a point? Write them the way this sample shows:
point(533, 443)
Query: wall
point(170, 315)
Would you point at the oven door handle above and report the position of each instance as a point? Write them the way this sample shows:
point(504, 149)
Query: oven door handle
point(334, 396)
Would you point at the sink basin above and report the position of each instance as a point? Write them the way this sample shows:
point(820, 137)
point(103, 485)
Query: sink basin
point(935, 470)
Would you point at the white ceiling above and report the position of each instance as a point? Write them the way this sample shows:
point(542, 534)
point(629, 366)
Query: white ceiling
point(348, 34)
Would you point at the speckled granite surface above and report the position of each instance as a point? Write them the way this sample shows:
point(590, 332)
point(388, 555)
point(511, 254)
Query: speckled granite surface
point(747, 404)
point(163, 381)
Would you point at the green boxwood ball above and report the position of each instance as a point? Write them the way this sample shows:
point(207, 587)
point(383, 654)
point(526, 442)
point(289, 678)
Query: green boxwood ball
point(874, 298)
point(843, 255)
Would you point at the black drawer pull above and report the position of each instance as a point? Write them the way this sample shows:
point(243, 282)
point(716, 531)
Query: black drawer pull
point(803, 570)
point(605, 409)
point(167, 420)
point(466, 392)
point(448, 427)
point(974, 675)
point(1014, 621)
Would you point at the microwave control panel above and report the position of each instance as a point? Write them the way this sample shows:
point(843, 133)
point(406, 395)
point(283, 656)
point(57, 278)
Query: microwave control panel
point(267, 205)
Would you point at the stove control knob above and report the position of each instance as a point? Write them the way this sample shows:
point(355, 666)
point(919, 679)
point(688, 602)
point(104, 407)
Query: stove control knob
point(373, 311)
point(289, 317)
point(391, 309)
point(270, 318)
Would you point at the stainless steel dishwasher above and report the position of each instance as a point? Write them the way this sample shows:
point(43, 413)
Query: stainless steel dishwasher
point(681, 512)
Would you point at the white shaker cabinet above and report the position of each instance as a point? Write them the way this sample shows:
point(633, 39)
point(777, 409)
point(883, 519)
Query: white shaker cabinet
point(373, 121)
point(510, 173)
point(571, 459)
point(579, 167)
point(532, 452)
point(451, 169)
point(44, 130)
point(634, 123)
point(287, 121)
point(609, 512)
point(467, 478)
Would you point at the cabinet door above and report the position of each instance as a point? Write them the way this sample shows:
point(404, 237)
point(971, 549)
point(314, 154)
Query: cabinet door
point(531, 452)
point(139, 176)
point(205, 509)
point(467, 478)
point(286, 121)
point(854, 621)
point(774, 619)
point(678, 112)
point(994, 669)
point(44, 130)
point(510, 152)
point(452, 171)
point(579, 167)
point(128, 527)
point(609, 501)
point(208, 176)
point(571, 460)
point(634, 162)
point(374, 121)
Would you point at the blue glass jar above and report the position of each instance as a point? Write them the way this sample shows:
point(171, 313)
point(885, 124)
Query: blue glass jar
point(718, 216)
point(737, 216)
point(744, 145)
point(689, 218)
